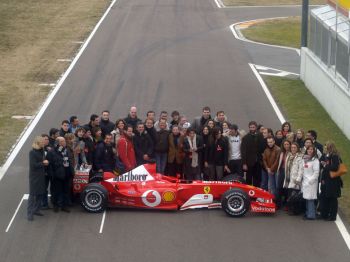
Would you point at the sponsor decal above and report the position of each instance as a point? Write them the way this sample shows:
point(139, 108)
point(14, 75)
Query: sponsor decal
point(251, 193)
point(80, 181)
point(206, 189)
point(138, 174)
point(130, 177)
point(131, 192)
point(77, 187)
point(206, 196)
point(168, 196)
point(151, 198)
point(263, 209)
point(218, 182)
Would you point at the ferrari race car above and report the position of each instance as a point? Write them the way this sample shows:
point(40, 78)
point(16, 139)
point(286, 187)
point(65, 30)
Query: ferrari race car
point(144, 188)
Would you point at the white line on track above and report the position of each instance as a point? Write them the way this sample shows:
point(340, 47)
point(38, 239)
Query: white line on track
point(238, 35)
point(28, 130)
point(268, 94)
point(219, 3)
point(339, 222)
point(102, 222)
point(25, 197)
point(65, 60)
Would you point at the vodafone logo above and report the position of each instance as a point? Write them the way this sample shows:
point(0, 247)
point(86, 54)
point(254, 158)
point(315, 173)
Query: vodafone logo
point(251, 193)
point(151, 198)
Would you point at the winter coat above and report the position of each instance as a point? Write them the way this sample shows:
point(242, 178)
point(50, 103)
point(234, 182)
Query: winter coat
point(79, 158)
point(217, 152)
point(331, 187)
point(153, 134)
point(126, 153)
point(89, 150)
point(250, 149)
point(271, 158)
point(104, 157)
point(310, 178)
point(294, 169)
point(36, 172)
point(176, 152)
point(162, 142)
point(106, 127)
point(63, 166)
point(132, 121)
point(198, 123)
point(143, 145)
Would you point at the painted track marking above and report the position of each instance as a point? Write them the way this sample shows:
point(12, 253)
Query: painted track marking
point(25, 197)
point(239, 36)
point(28, 130)
point(102, 222)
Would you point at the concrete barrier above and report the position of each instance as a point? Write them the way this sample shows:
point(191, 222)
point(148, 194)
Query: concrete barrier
point(330, 90)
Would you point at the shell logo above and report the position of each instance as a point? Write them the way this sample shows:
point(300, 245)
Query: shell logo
point(168, 196)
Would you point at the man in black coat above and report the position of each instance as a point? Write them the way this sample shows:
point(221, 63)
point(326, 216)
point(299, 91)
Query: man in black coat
point(132, 118)
point(199, 122)
point(250, 155)
point(63, 171)
point(106, 125)
point(104, 155)
point(143, 145)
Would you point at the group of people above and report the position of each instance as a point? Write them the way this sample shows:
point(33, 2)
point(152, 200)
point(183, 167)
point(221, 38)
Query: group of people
point(208, 148)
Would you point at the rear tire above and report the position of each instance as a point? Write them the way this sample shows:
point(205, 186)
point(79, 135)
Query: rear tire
point(94, 198)
point(234, 178)
point(235, 202)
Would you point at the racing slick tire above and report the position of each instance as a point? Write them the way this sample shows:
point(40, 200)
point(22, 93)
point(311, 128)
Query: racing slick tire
point(235, 202)
point(94, 198)
point(234, 178)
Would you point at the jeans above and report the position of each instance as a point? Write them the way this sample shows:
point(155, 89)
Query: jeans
point(272, 183)
point(161, 160)
point(253, 175)
point(264, 180)
point(310, 208)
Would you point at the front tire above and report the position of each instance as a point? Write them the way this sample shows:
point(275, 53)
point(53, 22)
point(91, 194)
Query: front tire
point(235, 202)
point(94, 198)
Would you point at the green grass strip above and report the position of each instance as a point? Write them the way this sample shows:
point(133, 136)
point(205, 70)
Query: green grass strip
point(303, 110)
point(284, 32)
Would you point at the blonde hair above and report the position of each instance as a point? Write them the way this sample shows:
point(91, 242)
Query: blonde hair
point(38, 142)
point(290, 137)
point(330, 148)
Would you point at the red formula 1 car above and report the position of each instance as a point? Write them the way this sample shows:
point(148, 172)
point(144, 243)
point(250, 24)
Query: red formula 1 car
point(144, 188)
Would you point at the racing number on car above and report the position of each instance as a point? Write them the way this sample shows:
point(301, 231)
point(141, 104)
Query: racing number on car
point(206, 189)
point(151, 198)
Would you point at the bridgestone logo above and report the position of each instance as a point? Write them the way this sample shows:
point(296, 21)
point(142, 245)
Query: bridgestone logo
point(131, 177)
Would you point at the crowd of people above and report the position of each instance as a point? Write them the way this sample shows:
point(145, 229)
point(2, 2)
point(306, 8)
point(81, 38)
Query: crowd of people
point(289, 164)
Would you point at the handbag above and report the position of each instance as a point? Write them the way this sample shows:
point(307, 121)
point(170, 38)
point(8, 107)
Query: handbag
point(342, 170)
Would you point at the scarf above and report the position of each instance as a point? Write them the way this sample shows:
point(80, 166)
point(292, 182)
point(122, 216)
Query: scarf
point(193, 146)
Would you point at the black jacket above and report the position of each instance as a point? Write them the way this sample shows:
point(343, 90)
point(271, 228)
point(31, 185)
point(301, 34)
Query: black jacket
point(331, 187)
point(143, 145)
point(62, 167)
point(104, 157)
point(36, 172)
point(132, 121)
point(250, 149)
point(106, 127)
point(187, 148)
point(216, 152)
point(162, 142)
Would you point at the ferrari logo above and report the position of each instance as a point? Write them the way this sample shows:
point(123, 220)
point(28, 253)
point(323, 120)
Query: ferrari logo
point(206, 189)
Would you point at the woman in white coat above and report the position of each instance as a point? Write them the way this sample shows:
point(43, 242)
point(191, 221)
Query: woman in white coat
point(293, 176)
point(310, 181)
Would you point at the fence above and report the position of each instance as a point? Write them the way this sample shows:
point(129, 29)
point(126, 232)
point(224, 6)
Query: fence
point(329, 41)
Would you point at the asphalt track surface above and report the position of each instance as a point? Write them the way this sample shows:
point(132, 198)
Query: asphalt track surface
point(162, 54)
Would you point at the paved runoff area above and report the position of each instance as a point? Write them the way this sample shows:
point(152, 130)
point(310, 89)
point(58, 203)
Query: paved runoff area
point(163, 55)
